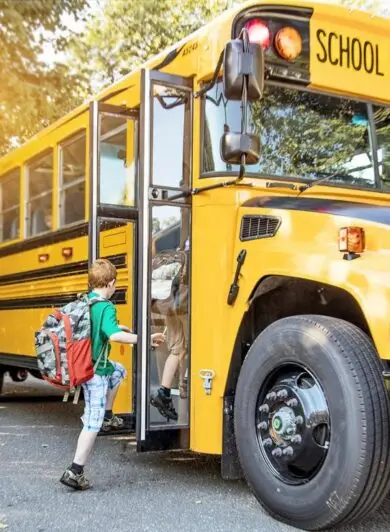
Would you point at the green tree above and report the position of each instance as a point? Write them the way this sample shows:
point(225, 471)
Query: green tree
point(126, 33)
point(34, 92)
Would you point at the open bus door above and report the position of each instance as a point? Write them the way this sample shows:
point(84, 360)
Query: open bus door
point(113, 223)
point(165, 207)
point(140, 215)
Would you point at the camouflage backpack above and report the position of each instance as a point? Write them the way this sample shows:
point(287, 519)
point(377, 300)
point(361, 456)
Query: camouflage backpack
point(63, 345)
point(170, 282)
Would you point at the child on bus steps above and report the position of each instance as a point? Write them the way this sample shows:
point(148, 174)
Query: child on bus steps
point(101, 390)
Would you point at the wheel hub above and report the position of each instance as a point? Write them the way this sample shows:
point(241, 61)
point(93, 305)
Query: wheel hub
point(293, 424)
point(283, 422)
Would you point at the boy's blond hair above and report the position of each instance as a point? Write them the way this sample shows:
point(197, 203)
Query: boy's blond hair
point(101, 273)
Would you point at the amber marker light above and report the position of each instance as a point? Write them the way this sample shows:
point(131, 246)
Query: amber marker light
point(288, 43)
point(67, 253)
point(352, 241)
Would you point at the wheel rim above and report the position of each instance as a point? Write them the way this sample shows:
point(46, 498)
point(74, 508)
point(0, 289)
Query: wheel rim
point(293, 424)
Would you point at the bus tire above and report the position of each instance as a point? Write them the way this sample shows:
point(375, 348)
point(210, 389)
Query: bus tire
point(312, 422)
point(1, 381)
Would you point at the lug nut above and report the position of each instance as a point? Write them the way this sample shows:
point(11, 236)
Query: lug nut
point(292, 402)
point(267, 442)
point(264, 409)
point(299, 420)
point(263, 425)
point(288, 451)
point(271, 396)
point(282, 394)
point(277, 452)
point(296, 439)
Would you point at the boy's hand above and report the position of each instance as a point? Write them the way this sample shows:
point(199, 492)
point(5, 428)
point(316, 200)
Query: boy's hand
point(157, 339)
point(124, 328)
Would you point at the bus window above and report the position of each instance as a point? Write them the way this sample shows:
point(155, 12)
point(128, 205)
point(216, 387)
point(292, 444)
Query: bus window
point(72, 180)
point(382, 123)
point(9, 206)
point(39, 174)
point(303, 136)
point(171, 115)
point(117, 161)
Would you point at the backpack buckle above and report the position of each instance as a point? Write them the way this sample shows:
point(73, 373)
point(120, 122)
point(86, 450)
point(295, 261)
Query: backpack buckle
point(72, 391)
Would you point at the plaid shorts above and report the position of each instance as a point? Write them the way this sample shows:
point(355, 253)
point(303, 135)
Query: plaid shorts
point(95, 394)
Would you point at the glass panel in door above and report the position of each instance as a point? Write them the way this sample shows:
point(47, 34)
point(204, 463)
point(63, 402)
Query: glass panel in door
point(169, 288)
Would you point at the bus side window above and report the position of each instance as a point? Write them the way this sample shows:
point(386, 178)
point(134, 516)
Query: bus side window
point(9, 206)
point(382, 123)
point(72, 180)
point(39, 188)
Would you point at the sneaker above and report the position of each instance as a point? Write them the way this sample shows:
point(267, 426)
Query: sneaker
point(164, 405)
point(113, 423)
point(74, 480)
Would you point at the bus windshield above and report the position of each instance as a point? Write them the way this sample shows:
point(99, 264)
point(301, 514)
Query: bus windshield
point(304, 136)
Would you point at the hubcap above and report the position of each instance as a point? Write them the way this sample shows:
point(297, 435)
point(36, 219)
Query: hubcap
point(293, 424)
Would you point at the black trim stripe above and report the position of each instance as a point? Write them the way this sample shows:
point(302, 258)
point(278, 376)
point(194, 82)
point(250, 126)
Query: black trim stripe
point(169, 58)
point(45, 240)
point(360, 211)
point(18, 361)
point(54, 301)
point(63, 270)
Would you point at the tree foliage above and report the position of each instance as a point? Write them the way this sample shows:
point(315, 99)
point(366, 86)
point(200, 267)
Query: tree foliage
point(33, 93)
point(126, 33)
point(118, 36)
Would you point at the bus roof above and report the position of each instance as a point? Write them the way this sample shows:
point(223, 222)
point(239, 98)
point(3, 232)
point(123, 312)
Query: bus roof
point(330, 20)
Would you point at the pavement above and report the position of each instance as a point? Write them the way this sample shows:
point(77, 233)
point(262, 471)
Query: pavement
point(156, 492)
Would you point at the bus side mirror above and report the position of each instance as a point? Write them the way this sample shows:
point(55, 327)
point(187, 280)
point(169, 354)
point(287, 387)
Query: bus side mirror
point(240, 66)
point(235, 145)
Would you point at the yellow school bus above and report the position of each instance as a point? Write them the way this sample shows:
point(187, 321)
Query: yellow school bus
point(258, 148)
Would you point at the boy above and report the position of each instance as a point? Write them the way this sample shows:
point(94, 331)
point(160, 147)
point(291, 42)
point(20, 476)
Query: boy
point(101, 390)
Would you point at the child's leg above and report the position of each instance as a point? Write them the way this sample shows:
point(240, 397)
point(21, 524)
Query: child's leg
point(177, 352)
point(176, 348)
point(114, 381)
point(84, 448)
point(95, 392)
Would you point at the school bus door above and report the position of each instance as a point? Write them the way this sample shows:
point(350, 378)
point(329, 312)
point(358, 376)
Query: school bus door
point(140, 213)
point(164, 250)
point(113, 223)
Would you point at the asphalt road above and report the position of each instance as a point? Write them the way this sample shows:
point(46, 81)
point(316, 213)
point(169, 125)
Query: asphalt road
point(131, 492)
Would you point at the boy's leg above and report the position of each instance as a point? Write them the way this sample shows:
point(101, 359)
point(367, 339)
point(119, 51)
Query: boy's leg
point(95, 392)
point(177, 353)
point(110, 420)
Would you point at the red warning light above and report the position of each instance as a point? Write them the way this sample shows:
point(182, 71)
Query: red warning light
point(258, 32)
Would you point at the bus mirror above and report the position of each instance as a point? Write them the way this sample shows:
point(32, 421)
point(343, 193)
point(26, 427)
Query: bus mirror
point(239, 64)
point(234, 145)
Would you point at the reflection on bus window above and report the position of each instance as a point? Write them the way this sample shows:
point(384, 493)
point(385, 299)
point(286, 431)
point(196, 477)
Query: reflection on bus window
point(382, 123)
point(303, 136)
point(39, 195)
point(72, 180)
point(171, 137)
point(9, 206)
point(117, 160)
point(170, 314)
